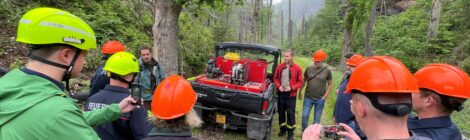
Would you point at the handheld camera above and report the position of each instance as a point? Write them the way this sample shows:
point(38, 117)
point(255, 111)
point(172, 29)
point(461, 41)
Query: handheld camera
point(136, 93)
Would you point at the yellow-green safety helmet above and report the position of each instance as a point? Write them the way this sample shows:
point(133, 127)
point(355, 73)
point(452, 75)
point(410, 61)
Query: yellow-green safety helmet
point(54, 26)
point(122, 63)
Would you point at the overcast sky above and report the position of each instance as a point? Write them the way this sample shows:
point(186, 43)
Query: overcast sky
point(276, 1)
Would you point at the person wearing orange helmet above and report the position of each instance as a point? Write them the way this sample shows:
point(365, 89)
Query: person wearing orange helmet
point(381, 89)
point(99, 80)
point(342, 110)
point(172, 107)
point(443, 89)
point(319, 83)
point(288, 79)
point(347, 72)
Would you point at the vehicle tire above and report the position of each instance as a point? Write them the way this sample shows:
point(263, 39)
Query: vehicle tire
point(258, 130)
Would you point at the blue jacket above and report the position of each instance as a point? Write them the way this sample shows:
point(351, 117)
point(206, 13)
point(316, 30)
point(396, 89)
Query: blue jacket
point(144, 79)
point(99, 81)
point(129, 126)
point(438, 128)
point(342, 111)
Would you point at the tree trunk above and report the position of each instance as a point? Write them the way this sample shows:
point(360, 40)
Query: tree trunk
point(343, 9)
point(228, 12)
point(254, 25)
point(300, 32)
point(165, 32)
point(302, 28)
point(282, 27)
point(305, 32)
point(346, 46)
point(268, 29)
point(246, 30)
point(347, 35)
point(289, 28)
point(248, 22)
point(289, 34)
point(370, 27)
point(260, 25)
point(240, 26)
point(434, 22)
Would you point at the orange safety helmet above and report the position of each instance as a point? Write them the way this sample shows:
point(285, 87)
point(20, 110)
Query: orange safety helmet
point(444, 79)
point(319, 55)
point(111, 47)
point(173, 98)
point(355, 60)
point(382, 74)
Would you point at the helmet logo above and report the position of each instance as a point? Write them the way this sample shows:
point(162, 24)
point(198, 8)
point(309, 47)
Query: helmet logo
point(73, 40)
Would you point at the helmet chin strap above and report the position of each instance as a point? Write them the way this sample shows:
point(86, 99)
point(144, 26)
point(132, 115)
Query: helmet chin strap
point(118, 77)
point(68, 69)
point(68, 72)
point(396, 109)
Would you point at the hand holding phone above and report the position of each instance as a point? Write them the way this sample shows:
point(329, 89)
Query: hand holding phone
point(331, 131)
point(136, 93)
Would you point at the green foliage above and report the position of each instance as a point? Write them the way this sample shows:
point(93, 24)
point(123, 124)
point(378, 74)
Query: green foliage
point(93, 60)
point(201, 26)
point(403, 36)
point(461, 119)
point(222, 32)
point(115, 20)
point(131, 22)
point(110, 19)
point(357, 13)
point(11, 11)
point(466, 65)
point(196, 44)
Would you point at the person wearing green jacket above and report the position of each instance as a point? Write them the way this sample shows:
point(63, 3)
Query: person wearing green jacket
point(33, 104)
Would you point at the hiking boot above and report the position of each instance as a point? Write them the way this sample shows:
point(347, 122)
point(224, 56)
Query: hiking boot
point(290, 135)
point(282, 133)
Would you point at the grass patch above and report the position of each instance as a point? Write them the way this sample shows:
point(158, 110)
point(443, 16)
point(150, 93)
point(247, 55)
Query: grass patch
point(461, 119)
point(327, 116)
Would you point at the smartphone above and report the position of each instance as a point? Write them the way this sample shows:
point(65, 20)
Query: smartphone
point(331, 131)
point(136, 93)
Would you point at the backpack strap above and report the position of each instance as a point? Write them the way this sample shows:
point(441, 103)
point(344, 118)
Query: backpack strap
point(316, 74)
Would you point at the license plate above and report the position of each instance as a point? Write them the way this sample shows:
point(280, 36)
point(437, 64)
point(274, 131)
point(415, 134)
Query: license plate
point(221, 119)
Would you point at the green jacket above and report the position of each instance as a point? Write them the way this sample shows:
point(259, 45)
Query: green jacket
point(32, 107)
